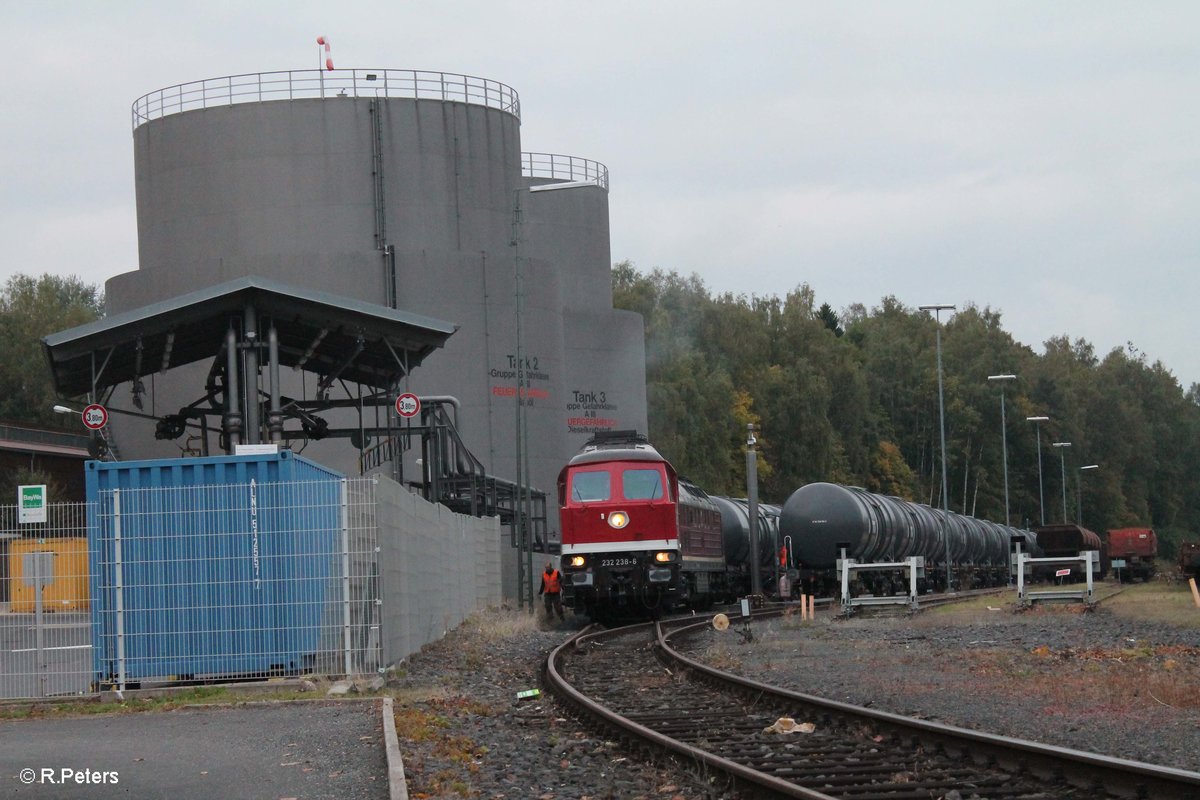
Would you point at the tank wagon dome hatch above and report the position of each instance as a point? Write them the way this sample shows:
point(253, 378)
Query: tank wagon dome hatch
point(336, 338)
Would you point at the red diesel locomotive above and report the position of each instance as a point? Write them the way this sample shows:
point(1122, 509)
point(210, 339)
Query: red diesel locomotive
point(636, 538)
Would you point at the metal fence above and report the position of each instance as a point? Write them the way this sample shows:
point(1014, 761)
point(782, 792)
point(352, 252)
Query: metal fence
point(192, 583)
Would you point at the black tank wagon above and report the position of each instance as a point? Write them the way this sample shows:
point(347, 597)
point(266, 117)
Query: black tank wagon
point(825, 519)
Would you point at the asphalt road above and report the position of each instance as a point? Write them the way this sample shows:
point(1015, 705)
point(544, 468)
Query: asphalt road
point(67, 658)
point(303, 750)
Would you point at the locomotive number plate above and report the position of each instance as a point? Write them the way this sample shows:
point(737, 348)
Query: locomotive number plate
point(618, 562)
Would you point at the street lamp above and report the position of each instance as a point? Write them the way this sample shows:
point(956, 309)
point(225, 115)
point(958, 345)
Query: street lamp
point(1037, 422)
point(1002, 379)
point(752, 503)
point(522, 505)
point(937, 309)
point(1079, 491)
point(1062, 453)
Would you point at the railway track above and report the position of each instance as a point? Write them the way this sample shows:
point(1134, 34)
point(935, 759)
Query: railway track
point(633, 681)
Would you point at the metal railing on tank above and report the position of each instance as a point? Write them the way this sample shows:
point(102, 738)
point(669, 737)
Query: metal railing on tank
point(565, 168)
point(371, 84)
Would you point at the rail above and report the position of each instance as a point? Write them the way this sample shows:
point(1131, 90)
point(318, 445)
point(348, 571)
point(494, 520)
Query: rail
point(692, 710)
point(258, 87)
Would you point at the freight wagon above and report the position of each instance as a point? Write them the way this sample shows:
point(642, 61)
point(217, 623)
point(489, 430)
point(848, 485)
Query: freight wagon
point(1067, 540)
point(1189, 559)
point(1132, 552)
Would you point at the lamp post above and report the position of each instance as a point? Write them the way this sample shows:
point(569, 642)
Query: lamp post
point(1037, 422)
point(1062, 454)
point(937, 309)
point(522, 504)
point(752, 503)
point(1079, 492)
point(1002, 379)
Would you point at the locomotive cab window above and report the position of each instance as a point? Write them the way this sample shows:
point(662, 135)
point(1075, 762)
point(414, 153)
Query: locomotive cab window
point(590, 487)
point(641, 484)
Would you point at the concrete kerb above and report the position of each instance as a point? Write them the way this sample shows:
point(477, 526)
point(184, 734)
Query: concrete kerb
point(397, 786)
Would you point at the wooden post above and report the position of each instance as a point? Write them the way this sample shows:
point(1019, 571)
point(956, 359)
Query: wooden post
point(1195, 594)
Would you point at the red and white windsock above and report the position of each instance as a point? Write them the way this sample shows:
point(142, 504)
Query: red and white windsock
point(323, 41)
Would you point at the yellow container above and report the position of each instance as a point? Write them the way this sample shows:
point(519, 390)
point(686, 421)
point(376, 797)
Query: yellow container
point(66, 591)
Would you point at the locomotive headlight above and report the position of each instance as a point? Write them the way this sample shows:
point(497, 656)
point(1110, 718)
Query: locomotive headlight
point(664, 556)
point(577, 561)
point(618, 519)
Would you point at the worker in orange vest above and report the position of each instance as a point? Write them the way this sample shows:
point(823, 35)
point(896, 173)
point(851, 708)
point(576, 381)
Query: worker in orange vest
point(551, 591)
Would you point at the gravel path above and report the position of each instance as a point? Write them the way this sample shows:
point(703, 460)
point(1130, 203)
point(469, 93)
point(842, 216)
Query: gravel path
point(1089, 681)
point(464, 733)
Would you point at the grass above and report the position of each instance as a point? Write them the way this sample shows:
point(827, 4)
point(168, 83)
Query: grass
point(200, 695)
point(502, 623)
point(1157, 601)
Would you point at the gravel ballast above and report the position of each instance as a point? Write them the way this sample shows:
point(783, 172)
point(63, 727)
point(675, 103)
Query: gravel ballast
point(1092, 681)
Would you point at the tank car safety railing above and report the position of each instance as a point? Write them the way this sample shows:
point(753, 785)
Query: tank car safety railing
point(372, 84)
point(564, 168)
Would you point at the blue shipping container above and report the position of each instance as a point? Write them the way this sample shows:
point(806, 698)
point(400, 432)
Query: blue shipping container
point(227, 566)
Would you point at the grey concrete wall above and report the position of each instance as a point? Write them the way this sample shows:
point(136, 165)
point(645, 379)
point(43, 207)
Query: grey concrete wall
point(606, 377)
point(435, 568)
point(568, 228)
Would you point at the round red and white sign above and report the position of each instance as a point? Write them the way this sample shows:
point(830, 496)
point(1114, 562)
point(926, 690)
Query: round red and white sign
point(408, 405)
point(95, 416)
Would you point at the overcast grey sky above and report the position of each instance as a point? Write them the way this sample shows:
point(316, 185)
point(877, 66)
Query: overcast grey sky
point(1039, 158)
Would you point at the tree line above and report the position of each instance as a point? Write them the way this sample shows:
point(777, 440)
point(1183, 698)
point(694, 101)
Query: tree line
point(852, 397)
point(849, 397)
point(30, 308)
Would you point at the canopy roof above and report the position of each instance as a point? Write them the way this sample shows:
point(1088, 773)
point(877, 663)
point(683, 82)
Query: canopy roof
point(318, 332)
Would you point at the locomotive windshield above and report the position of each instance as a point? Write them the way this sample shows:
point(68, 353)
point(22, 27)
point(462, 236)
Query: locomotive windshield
point(590, 487)
point(637, 483)
point(641, 484)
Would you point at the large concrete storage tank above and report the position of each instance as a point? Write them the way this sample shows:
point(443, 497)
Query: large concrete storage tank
point(406, 189)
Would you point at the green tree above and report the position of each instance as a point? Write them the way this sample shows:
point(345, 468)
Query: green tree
point(31, 308)
point(830, 319)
